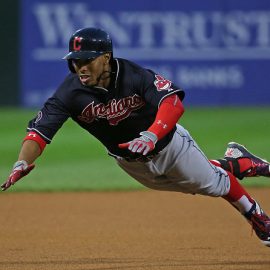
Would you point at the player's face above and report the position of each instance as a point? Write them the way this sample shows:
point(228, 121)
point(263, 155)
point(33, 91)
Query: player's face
point(93, 72)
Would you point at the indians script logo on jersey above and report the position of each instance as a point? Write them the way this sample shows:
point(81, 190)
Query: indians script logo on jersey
point(162, 84)
point(115, 111)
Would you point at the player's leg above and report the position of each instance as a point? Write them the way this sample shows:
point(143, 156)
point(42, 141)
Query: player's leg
point(242, 163)
point(192, 168)
point(249, 208)
point(183, 167)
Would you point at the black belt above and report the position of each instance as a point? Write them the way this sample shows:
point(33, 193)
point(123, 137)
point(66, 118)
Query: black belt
point(135, 159)
point(140, 158)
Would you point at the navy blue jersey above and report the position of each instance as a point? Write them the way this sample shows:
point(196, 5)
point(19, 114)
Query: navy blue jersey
point(114, 115)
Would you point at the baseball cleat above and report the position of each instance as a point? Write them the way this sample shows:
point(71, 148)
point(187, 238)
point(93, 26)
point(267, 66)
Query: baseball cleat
point(242, 163)
point(260, 223)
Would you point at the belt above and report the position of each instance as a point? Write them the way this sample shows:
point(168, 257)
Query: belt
point(137, 159)
point(143, 159)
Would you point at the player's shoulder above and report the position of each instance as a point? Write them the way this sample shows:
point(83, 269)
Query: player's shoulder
point(66, 91)
point(69, 85)
point(133, 72)
point(71, 81)
point(130, 66)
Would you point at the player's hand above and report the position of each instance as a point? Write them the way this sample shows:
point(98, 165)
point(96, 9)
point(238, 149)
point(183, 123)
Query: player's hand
point(20, 169)
point(142, 145)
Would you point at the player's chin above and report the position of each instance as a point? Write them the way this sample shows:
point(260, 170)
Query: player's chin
point(91, 84)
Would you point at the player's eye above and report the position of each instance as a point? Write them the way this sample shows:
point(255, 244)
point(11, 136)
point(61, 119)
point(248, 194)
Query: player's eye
point(81, 62)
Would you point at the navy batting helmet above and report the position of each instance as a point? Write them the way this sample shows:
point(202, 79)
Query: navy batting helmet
point(88, 43)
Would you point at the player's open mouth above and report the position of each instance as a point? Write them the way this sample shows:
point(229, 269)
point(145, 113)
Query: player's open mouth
point(84, 78)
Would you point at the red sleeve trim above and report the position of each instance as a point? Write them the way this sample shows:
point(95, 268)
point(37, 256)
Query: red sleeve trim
point(168, 114)
point(33, 136)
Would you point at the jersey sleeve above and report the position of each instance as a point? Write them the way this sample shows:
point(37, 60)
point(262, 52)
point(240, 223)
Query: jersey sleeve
point(156, 88)
point(49, 119)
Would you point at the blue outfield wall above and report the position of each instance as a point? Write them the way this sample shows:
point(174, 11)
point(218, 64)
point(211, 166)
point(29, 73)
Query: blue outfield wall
point(217, 50)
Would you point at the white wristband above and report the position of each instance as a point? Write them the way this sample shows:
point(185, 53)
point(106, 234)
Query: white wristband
point(150, 135)
point(19, 163)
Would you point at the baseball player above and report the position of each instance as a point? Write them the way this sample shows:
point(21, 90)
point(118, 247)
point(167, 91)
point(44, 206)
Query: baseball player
point(134, 112)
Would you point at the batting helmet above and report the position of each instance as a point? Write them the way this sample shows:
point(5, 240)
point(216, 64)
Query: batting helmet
point(88, 43)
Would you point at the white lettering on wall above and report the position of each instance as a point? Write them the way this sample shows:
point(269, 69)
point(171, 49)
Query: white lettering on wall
point(214, 76)
point(203, 76)
point(163, 35)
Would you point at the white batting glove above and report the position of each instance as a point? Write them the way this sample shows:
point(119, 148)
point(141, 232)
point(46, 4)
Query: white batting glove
point(20, 169)
point(142, 145)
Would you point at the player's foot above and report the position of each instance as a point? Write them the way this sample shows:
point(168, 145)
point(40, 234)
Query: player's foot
point(242, 163)
point(260, 223)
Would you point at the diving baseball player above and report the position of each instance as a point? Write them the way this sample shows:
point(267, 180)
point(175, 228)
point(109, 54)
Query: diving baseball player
point(134, 112)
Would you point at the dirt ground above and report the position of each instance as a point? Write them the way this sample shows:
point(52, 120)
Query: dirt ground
point(127, 230)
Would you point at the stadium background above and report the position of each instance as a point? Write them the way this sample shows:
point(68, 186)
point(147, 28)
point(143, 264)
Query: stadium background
point(218, 51)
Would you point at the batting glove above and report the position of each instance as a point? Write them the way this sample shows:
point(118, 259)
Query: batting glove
point(142, 145)
point(20, 169)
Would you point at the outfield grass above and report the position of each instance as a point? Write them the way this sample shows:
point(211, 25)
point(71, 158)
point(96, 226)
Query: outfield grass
point(76, 161)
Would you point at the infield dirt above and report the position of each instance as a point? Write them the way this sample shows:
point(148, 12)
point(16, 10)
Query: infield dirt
point(127, 230)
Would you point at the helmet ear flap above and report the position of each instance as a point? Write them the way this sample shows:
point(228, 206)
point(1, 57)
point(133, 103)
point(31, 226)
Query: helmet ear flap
point(70, 66)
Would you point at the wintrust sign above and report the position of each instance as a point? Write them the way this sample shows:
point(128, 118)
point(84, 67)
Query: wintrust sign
point(159, 35)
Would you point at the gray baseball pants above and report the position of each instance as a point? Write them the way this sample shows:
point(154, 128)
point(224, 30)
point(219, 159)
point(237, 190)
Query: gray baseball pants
point(181, 166)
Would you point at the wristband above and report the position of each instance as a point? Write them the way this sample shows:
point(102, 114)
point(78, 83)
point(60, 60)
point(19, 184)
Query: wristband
point(33, 136)
point(20, 163)
point(150, 135)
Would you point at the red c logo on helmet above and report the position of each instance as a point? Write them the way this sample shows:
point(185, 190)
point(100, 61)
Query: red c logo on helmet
point(77, 43)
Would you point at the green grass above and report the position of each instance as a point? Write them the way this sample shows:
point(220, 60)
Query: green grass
point(76, 161)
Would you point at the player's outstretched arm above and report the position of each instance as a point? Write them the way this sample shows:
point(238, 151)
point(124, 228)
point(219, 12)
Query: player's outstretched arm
point(29, 152)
